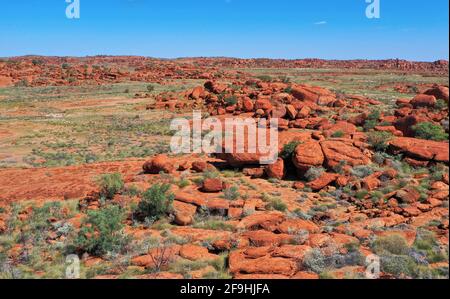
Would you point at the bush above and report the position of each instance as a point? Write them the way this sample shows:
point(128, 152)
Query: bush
point(430, 131)
point(441, 105)
point(230, 101)
point(156, 202)
point(314, 173)
point(231, 193)
point(277, 204)
point(379, 140)
point(150, 88)
point(362, 171)
point(372, 120)
point(398, 265)
point(338, 134)
point(110, 185)
point(101, 232)
point(394, 244)
point(265, 78)
point(288, 150)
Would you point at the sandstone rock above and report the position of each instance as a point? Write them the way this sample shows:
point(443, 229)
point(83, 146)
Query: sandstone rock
point(263, 265)
point(262, 220)
point(423, 100)
point(323, 181)
point(307, 155)
point(184, 213)
point(160, 163)
point(440, 92)
point(276, 170)
point(212, 185)
point(196, 253)
point(293, 226)
point(336, 151)
point(421, 149)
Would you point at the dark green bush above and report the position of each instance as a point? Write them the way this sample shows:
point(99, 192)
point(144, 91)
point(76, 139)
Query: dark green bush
point(101, 232)
point(430, 131)
point(156, 202)
point(288, 150)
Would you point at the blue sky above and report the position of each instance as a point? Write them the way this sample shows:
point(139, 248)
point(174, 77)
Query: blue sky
point(329, 29)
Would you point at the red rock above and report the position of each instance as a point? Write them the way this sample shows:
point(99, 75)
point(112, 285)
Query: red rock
point(212, 185)
point(423, 100)
point(215, 87)
point(440, 92)
point(293, 226)
point(276, 170)
point(323, 181)
point(304, 112)
point(296, 252)
point(372, 182)
point(421, 149)
point(184, 213)
point(278, 111)
point(336, 151)
point(197, 92)
point(262, 220)
point(406, 123)
point(263, 265)
point(305, 275)
point(254, 172)
point(307, 155)
point(266, 238)
point(408, 195)
point(298, 185)
point(190, 198)
point(304, 94)
point(291, 111)
point(248, 105)
point(346, 128)
point(196, 253)
point(160, 163)
point(201, 166)
point(263, 104)
point(154, 255)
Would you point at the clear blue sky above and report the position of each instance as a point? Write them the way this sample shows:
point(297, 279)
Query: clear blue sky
point(330, 29)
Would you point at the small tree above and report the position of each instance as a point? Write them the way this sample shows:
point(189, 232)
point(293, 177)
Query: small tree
point(101, 232)
point(110, 185)
point(156, 202)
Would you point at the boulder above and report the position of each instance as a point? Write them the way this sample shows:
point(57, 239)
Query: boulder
point(212, 185)
point(307, 155)
point(160, 163)
point(276, 170)
point(336, 151)
point(421, 149)
point(423, 100)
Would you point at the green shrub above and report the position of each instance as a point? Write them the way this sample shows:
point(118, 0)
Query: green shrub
point(231, 193)
point(110, 185)
point(288, 150)
point(150, 88)
point(441, 105)
point(230, 101)
point(430, 131)
point(338, 134)
point(379, 140)
point(277, 204)
point(156, 202)
point(398, 265)
point(101, 232)
point(314, 173)
point(265, 78)
point(394, 244)
point(372, 120)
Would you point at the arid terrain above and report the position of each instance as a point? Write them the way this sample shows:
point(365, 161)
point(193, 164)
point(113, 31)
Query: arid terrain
point(86, 169)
